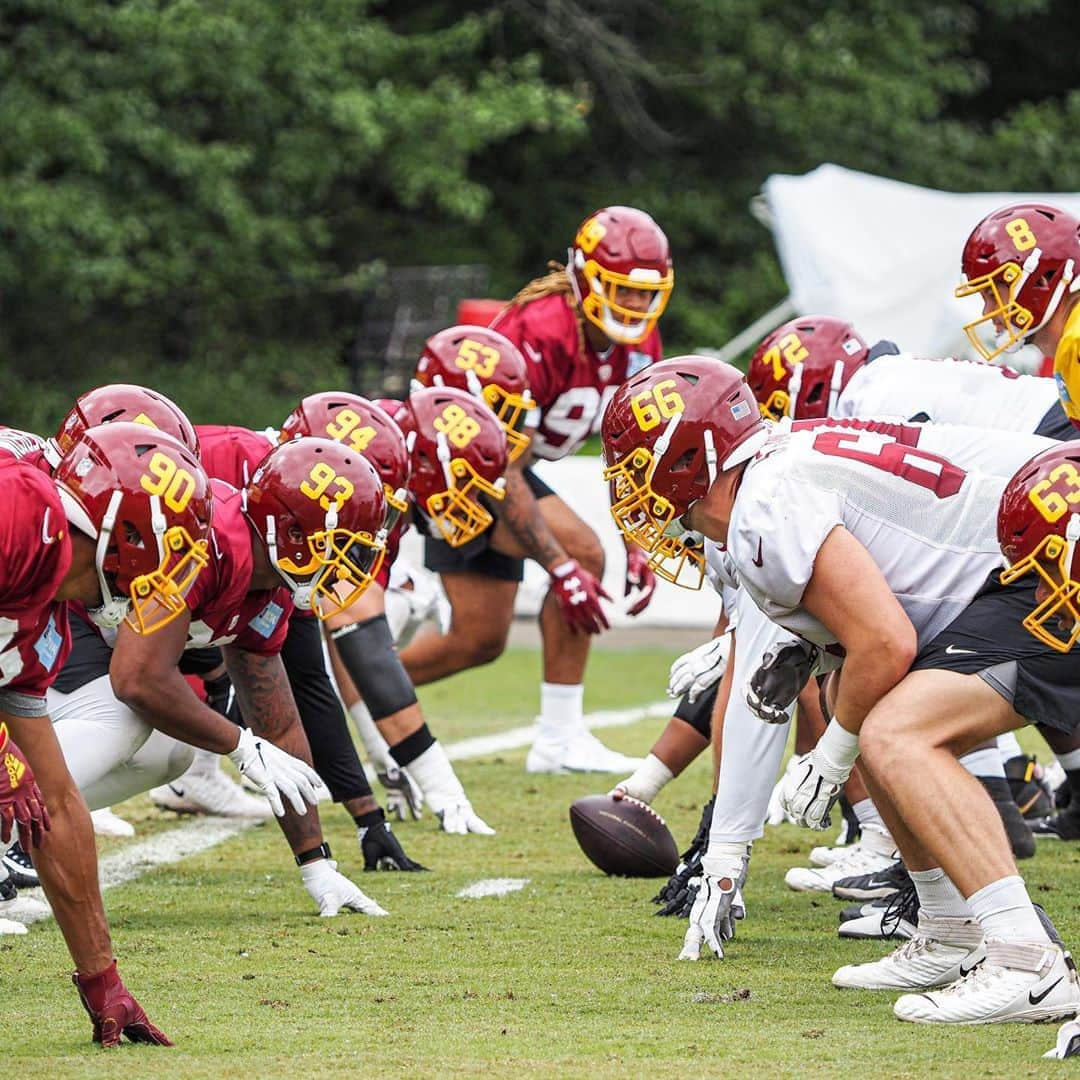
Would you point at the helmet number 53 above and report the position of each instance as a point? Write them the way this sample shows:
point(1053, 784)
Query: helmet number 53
point(659, 403)
point(165, 478)
point(475, 356)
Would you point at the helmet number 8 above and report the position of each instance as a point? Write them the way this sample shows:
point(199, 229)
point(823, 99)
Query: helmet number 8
point(659, 403)
point(475, 356)
point(346, 426)
point(1048, 496)
point(319, 479)
point(1020, 234)
point(459, 428)
point(165, 478)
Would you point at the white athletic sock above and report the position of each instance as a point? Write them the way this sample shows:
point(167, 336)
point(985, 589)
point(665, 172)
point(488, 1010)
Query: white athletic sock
point(1004, 911)
point(938, 896)
point(378, 749)
point(562, 708)
point(206, 763)
point(1008, 746)
point(985, 762)
point(866, 813)
point(1070, 761)
point(436, 778)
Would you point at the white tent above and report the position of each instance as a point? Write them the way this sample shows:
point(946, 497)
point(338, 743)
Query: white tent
point(882, 254)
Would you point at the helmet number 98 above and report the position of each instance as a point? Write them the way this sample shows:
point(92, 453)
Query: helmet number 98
point(346, 426)
point(659, 403)
point(790, 350)
point(1020, 234)
point(163, 477)
point(475, 356)
point(319, 480)
point(1053, 496)
point(459, 428)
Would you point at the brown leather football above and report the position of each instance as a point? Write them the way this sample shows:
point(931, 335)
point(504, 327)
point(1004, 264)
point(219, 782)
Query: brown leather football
point(623, 837)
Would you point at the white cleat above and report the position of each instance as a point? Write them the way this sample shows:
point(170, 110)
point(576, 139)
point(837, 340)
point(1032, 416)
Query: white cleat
point(826, 856)
point(1019, 982)
point(923, 962)
point(1068, 1041)
point(106, 823)
point(22, 907)
point(878, 924)
point(210, 793)
point(8, 926)
point(582, 752)
point(874, 851)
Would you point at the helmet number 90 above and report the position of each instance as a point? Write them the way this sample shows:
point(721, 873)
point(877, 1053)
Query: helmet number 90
point(1053, 496)
point(319, 480)
point(659, 403)
point(163, 477)
point(475, 356)
point(790, 350)
point(459, 428)
point(346, 426)
point(1020, 234)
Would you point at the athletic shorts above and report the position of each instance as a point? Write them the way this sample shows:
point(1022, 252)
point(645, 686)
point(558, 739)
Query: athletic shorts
point(988, 639)
point(699, 714)
point(478, 557)
point(1056, 425)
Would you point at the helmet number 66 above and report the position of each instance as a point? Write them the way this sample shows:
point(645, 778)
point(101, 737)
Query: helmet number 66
point(659, 403)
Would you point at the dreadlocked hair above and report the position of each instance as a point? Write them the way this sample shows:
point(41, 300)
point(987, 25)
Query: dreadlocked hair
point(556, 282)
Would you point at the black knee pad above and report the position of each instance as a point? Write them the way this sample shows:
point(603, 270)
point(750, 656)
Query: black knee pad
point(367, 651)
point(699, 714)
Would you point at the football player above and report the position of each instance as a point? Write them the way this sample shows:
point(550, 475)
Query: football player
point(121, 527)
point(583, 329)
point(306, 526)
point(871, 537)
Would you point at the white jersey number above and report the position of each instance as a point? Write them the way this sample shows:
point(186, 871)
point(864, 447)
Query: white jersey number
point(575, 415)
point(928, 470)
point(11, 661)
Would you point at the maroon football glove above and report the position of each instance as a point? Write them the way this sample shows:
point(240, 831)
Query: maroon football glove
point(639, 576)
point(578, 594)
point(113, 1011)
point(21, 801)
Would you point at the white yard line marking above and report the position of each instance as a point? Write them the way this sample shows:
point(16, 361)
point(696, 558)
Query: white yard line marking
point(496, 886)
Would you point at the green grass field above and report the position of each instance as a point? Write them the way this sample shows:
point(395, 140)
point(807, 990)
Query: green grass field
point(573, 976)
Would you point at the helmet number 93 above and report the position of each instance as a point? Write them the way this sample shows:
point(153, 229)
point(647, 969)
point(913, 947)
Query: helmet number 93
point(659, 403)
point(163, 477)
point(459, 428)
point(346, 426)
point(319, 480)
point(1053, 496)
point(475, 356)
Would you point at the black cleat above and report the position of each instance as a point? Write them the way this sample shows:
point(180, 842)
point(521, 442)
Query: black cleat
point(383, 851)
point(896, 916)
point(19, 867)
point(872, 886)
point(1016, 828)
point(1063, 826)
point(1029, 791)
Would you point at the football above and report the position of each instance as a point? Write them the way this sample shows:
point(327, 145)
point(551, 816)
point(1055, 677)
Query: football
point(623, 837)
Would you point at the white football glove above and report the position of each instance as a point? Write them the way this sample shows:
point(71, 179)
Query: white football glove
point(810, 789)
point(718, 905)
point(333, 891)
point(403, 795)
point(461, 819)
point(694, 672)
point(276, 774)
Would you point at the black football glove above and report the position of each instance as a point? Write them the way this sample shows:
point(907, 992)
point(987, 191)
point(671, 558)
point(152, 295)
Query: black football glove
point(784, 671)
point(383, 851)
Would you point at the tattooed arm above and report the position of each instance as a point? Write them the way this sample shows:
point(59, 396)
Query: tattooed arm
point(523, 524)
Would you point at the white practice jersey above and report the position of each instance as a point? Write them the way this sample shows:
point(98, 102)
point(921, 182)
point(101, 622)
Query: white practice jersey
point(922, 499)
point(948, 391)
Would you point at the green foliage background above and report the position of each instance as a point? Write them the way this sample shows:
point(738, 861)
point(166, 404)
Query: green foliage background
point(198, 194)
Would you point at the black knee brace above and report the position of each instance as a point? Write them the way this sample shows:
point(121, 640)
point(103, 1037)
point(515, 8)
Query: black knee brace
point(367, 651)
point(699, 714)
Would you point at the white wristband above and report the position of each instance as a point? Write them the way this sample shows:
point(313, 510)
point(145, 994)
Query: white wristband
point(838, 746)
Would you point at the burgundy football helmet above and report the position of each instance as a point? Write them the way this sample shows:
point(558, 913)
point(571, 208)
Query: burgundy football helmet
point(487, 365)
point(802, 367)
point(318, 507)
point(668, 433)
point(124, 402)
point(1021, 261)
point(146, 500)
point(459, 457)
point(1038, 530)
point(363, 425)
point(619, 252)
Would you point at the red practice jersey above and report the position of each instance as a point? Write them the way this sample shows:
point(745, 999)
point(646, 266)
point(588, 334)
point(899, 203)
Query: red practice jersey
point(231, 453)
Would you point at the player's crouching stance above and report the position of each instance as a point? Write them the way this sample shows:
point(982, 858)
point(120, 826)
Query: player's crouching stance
point(133, 548)
point(872, 538)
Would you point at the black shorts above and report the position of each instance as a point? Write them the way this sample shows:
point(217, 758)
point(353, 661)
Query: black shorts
point(988, 639)
point(1056, 425)
point(699, 714)
point(478, 557)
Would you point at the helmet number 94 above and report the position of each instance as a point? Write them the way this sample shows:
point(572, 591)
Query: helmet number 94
point(659, 403)
point(163, 477)
point(1053, 496)
point(789, 349)
point(347, 425)
point(475, 356)
point(320, 478)
point(1020, 234)
point(459, 428)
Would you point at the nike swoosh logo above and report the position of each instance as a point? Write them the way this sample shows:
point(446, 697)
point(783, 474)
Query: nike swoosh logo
point(952, 650)
point(1036, 998)
point(45, 537)
point(967, 971)
point(533, 354)
point(758, 560)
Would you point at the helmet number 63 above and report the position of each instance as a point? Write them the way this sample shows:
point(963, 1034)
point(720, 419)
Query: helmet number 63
point(163, 477)
point(1053, 496)
point(659, 403)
